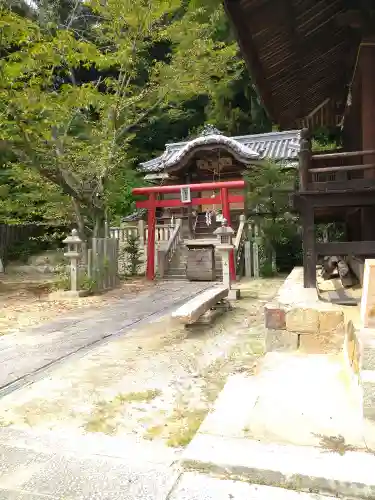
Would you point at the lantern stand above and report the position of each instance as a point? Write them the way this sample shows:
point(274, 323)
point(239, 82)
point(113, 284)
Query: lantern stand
point(73, 253)
point(225, 247)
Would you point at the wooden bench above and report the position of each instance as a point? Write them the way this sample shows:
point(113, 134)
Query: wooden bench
point(190, 312)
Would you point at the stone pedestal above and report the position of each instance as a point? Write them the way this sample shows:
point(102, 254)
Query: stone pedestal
point(200, 262)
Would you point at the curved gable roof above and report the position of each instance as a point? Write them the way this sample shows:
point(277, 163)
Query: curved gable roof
point(279, 146)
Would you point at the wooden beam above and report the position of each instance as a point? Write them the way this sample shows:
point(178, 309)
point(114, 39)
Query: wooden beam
point(346, 248)
point(342, 168)
point(351, 18)
point(343, 154)
point(333, 199)
point(347, 185)
point(245, 40)
point(308, 244)
point(297, 48)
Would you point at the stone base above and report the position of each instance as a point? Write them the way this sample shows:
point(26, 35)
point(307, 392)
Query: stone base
point(233, 441)
point(298, 312)
point(281, 340)
point(234, 294)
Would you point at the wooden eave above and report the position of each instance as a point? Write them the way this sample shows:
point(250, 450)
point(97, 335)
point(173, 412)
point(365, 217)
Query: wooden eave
point(298, 53)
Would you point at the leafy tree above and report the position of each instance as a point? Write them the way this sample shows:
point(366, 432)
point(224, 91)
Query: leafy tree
point(268, 187)
point(143, 56)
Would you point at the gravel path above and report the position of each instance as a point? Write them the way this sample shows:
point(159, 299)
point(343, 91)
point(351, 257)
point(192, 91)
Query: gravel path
point(24, 354)
point(156, 383)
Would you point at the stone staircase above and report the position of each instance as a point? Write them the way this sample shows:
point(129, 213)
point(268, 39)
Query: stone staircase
point(177, 268)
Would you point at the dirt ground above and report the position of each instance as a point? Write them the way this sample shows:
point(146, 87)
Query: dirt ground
point(158, 382)
point(25, 302)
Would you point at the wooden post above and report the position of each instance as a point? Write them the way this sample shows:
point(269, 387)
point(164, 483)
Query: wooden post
point(256, 240)
point(151, 220)
point(226, 214)
point(247, 253)
point(308, 241)
point(141, 232)
point(304, 159)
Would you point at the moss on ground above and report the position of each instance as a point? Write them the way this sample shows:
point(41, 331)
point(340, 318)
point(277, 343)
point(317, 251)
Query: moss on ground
point(103, 418)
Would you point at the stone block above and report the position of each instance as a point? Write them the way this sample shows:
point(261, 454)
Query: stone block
point(368, 294)
point(274, 317)
point(368, 388)
point(330, 321)
point(368, 357)
point(352, 348)
point(302, 320)
point(321, 344)
point(234, 294)
point(281, 340)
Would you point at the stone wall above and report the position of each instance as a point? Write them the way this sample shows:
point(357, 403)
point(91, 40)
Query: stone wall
point(297, 319)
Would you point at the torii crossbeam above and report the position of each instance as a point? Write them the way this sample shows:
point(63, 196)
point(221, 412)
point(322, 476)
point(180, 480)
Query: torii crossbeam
point(224, 199)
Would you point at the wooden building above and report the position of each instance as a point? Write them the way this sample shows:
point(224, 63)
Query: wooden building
point(199, 182)
point(313, 62)
point(214, 157)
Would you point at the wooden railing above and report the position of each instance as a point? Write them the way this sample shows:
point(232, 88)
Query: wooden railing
point(165, 255)
point(318, 173)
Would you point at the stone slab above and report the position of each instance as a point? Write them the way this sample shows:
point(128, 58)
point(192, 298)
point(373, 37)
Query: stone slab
point(302, 320)
point(366, 340)
point(281, 340)
point(192, 310)
point(300, 468)
point(234, 294)
point(331, 321)
point(292, 399)
point(367, 378)
point(224, 419)
point(41, 467)
point(195, 486)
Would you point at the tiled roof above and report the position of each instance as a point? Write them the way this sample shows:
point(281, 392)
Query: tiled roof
point(277, 146)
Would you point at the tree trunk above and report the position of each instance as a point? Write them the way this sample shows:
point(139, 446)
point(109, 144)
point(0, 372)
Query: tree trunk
point(99, 224)
point(81, 229)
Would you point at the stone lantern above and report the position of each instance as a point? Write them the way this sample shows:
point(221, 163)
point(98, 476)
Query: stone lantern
point(224, 245)
point(73, 253)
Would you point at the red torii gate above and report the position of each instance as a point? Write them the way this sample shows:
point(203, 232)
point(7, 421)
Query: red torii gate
point(224, 199)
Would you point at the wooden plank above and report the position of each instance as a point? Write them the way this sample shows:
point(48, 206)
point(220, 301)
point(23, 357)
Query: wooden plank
point(345, 154)
point(346, 248)
point(190, 312)
point(322, 199)
point(348, 185)
point(247, 254)
point(342, 168)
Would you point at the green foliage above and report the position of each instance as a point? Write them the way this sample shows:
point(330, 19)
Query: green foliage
point(132, 255)
point(90, 89)
point(268, 186)
point(266, 269)
point(87, 283)
point(62, 281)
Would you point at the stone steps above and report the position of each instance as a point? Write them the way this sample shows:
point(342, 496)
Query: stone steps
point(196, 486)
point(290, 426)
